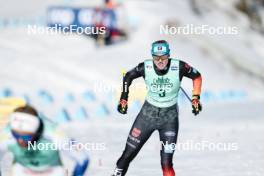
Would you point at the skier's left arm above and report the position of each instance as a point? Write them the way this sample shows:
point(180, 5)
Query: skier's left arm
point(190, 72)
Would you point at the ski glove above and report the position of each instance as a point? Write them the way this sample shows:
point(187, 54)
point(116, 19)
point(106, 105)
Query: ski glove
point(196, 105)
point(80, 168)
point(122, 106)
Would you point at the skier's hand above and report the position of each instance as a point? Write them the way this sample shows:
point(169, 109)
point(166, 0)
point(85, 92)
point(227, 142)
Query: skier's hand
point(122, 106)
point(196, 105)
point(80, 168)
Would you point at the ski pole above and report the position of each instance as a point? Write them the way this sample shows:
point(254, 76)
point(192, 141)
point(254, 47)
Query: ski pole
point(186, 94)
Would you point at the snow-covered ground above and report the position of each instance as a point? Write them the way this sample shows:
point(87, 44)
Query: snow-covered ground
point(244, 132)
point(62, 64)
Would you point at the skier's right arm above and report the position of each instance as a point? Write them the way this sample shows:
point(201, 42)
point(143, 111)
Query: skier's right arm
point(136, 72)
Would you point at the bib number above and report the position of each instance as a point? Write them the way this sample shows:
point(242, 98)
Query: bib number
point(162, 94)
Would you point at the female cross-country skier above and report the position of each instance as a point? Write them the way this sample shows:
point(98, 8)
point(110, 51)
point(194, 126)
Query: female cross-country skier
point(25, 128)
point(162, 76)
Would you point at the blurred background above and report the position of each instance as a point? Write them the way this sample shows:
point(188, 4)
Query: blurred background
point(75, 80)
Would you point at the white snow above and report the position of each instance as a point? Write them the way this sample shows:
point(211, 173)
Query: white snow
point(62, 64)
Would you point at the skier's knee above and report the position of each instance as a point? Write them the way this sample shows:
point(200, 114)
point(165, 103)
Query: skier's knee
point(166, 164)
point(166, 160)
point(129, 155)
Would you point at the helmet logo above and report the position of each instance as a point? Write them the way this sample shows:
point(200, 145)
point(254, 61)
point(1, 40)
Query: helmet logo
point(160, 49)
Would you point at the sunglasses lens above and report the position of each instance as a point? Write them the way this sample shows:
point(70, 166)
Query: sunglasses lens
point(24, 137)
point(160, 58)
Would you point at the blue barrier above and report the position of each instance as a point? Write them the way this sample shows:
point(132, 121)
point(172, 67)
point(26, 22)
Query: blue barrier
point(208, 96)
point(6, 92)
point(62, 116)
point(80, 114)
point(102, 111)
point(88, 96)
point(69, 98)
point(45, 97)
point(231, 94)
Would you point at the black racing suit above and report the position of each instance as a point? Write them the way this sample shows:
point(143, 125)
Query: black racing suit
point(152, 118)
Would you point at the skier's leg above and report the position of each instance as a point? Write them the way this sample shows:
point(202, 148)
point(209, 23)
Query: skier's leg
point(168, 136)
point(136, 139)
point(138, 135)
